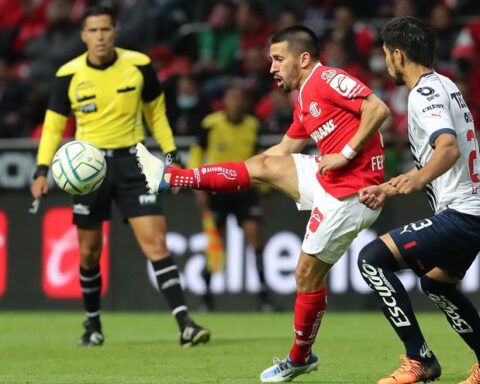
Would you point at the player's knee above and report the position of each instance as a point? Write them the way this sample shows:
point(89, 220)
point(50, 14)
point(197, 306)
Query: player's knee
point(376, 254)
point(432, 287)
point(257, 167)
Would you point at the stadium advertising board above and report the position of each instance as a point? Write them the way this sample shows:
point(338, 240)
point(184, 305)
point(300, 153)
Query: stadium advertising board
point(3, 253)
point(60, 255)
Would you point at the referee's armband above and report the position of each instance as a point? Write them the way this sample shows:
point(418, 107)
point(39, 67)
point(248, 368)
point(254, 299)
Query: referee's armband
point(42, 170)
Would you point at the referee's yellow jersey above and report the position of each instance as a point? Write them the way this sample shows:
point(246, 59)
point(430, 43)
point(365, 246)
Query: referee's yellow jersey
point(221, 140)
point(108, 102)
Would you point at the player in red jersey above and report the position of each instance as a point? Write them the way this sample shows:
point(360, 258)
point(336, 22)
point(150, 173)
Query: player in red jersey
point(342, 116)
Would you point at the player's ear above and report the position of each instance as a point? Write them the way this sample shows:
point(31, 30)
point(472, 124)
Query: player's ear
point(305, 59)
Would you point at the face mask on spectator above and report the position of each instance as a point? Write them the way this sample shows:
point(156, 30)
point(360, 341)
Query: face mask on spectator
point(187, 101)
point(377, 64)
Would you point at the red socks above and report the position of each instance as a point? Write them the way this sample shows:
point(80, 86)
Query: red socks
point(309, 311)
point(222, 177)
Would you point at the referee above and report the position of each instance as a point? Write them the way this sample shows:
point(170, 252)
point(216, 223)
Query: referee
point(109, 91)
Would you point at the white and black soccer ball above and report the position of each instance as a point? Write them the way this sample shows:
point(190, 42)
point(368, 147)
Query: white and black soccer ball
point(78, 167)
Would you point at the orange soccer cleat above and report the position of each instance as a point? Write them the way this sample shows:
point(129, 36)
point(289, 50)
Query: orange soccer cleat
point(413, 371)
point(474, 375)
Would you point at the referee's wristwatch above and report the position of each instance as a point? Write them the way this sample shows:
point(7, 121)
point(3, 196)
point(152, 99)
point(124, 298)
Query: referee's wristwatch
point(173, 157)
point(42, 170)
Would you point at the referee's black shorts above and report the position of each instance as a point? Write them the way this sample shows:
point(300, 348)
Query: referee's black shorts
point(244, 205)
point(124, 184)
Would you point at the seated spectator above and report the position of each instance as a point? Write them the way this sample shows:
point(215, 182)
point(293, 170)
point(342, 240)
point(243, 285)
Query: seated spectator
point(189, 108)
point(59, 43)
point(219, 44)
point(275, 110)
point(443, 24)
point(255, 29)
point(13, 111)
point(257, 81)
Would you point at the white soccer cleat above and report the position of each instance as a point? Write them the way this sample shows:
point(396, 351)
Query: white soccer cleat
point(284, 370)
point(152, 168)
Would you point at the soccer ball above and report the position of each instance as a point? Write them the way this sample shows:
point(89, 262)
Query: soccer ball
point(78, 167)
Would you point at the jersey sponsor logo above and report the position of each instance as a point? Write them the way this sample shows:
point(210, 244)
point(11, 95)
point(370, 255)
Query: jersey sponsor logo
point(61, 257)
point(379, 283)
point(457, 96)
point(80, 209)
point(324, 130)
point(88, 108)
point(346, 86)
point(433, 106)
point(458, 324)
point(315, 111)
point(3, 252)
point(425, 91)
point(328, 74)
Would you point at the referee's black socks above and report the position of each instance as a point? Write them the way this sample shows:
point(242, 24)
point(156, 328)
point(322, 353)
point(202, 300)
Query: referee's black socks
point(91, 285)
point(168, 280)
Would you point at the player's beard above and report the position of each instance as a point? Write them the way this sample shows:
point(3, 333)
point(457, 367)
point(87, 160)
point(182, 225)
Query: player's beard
point(398, 79)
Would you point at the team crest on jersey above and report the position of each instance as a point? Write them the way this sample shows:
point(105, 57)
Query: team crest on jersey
point(425, 91)
point(328, 74)
point(314, 109)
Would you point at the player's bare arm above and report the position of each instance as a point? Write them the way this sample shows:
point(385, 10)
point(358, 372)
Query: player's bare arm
point(286, 146)
point(444, 156)
point(373, 113)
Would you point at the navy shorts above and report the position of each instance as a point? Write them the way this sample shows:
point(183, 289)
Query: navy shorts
point(125, 185)
point(449, 240)
point(244, 205)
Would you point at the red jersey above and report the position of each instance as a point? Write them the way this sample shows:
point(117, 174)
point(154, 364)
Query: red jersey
point(328, 111)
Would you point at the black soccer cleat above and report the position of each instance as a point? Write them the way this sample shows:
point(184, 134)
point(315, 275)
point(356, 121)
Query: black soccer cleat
point(92, 336)
point(193, 334)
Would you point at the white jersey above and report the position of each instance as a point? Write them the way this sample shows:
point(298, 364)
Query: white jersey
point(436, 106)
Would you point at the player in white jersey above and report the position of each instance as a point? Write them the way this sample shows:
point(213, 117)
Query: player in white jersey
point(441, 248)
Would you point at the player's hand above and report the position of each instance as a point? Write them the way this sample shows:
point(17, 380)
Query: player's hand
point(406, 184)
point(39, 187)
point(331, 161)
point(373, 196)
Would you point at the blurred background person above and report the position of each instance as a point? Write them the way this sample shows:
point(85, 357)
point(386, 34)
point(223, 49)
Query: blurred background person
point(231, 134)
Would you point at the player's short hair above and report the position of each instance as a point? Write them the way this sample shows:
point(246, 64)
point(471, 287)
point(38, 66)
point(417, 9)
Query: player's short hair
point(300, 39)
point(99, 10)
point(411, 35)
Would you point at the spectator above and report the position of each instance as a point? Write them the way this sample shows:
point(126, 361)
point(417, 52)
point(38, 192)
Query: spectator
point(59, 43)
point(189, 108)
point(13, 95)
point(256, 79)
point(255, 29)
point(218, 45)
point(446, 32)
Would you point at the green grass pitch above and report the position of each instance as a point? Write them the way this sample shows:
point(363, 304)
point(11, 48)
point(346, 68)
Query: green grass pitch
point(40, 347)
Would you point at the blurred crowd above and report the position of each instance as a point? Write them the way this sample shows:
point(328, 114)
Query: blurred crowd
point(200, 48)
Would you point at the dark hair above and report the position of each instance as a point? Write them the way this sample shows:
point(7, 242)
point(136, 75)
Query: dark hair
point(300, 39)
point(97, 11)
point(411, 35)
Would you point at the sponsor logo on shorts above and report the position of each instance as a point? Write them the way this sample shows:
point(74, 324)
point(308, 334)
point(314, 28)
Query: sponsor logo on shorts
point(457, 323)
point(379, 283)
point(315, 220)
point(80, 209)
point(147, 199)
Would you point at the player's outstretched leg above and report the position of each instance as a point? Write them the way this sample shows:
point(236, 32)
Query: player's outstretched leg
point(285, 370)
point(474, 375)
point(152, 168)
